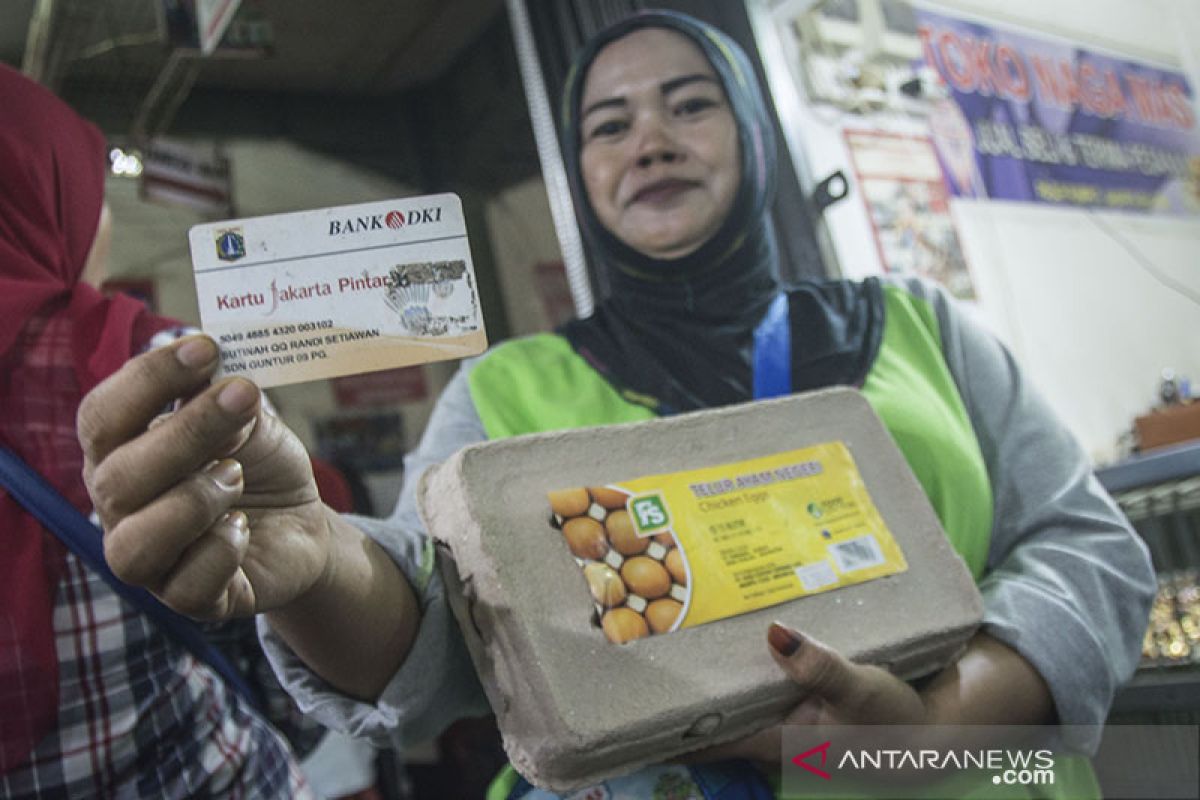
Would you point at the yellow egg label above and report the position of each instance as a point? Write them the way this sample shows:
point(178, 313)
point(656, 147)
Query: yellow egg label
point(737, 537)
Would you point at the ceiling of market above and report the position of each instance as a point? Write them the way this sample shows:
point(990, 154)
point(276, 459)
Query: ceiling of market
point(112, 56)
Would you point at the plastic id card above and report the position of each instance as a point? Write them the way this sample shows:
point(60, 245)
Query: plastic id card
point(338, 291)
point(671, 551)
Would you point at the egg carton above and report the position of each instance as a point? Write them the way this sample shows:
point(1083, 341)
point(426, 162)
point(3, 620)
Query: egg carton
point(573, 707)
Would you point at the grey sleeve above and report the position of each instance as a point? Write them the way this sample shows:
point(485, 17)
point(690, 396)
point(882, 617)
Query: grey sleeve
point(1068, 582)
point(437, 683)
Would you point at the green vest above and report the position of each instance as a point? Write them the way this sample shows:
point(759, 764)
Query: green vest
point(539, 383)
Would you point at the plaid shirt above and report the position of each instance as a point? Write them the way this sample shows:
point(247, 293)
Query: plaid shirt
point(139, 716)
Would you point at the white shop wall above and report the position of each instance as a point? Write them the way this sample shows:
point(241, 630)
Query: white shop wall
point(1081, 297)
point(269, 177)
point(522, 236)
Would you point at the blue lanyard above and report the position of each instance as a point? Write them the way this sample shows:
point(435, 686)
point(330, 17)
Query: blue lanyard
point(773, 351)
point(62, 519)
point(726, 780)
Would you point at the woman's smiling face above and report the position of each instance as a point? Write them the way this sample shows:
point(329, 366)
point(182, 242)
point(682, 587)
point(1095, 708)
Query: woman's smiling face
point(658, 143)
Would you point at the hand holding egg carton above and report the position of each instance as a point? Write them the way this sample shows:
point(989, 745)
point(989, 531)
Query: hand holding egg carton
point(573, 707)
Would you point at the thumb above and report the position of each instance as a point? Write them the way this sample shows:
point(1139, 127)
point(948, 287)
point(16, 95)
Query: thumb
point(814, 666)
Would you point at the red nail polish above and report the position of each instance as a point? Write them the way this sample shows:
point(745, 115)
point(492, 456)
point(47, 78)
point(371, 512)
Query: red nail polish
point(785, 640)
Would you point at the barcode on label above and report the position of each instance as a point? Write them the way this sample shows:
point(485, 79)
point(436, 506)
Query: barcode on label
point(816, 576)
point(856, 554)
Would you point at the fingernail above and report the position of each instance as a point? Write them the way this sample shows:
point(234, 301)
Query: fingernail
point(785, 640)
point(237, 396)
point(196, 352)
point(241, 526)
point(226, 472)
point(242, 587)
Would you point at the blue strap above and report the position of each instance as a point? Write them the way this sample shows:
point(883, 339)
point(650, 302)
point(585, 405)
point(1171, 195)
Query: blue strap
point(86, 540)
point(773, 351)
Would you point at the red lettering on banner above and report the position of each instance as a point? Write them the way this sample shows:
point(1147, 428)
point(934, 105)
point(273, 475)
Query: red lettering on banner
point(1099, 92)
point(1144, 98)
point(1177, 101)
point(1056, 82)
point(971, 64)
point(981, 64)
point(1116, 97)
point(1090, 93)
point(975, 65)
point(1013, 79)
point(926, 36)
point(1162, 105)
point(957, 64)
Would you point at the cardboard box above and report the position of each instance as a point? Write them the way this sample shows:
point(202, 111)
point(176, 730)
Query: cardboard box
point(1167, 426)
point(575, 708)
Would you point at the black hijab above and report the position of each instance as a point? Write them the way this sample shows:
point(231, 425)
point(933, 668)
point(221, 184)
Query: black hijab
point(680, 331)
point(678, 334)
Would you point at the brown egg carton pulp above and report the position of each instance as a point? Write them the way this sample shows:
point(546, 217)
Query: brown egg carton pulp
point(575, 708)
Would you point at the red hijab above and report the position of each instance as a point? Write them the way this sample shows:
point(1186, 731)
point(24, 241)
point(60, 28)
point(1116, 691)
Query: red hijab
point(58, 338)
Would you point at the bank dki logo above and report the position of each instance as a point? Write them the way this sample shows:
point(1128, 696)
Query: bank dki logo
point(390, 219)
point(800, 760)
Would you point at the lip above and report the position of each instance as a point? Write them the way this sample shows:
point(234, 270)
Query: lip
point(662, 191)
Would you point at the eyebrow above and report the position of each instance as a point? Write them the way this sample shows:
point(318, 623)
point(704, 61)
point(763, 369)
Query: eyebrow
point(684, 80)
point(666, 88)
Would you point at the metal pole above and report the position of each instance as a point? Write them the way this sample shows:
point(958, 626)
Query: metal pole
point(36, 62)
point(541, 114)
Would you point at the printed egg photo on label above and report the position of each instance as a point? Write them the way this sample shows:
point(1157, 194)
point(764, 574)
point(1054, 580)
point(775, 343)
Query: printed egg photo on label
point(637, 583)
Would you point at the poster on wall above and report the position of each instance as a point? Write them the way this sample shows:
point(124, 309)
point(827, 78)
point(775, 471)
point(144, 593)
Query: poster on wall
point(187, 175)
point(901, 182)
point(1035, 118)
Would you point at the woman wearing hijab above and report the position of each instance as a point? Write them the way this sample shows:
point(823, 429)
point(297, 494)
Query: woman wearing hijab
point(94, 700)
point(671, 159)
